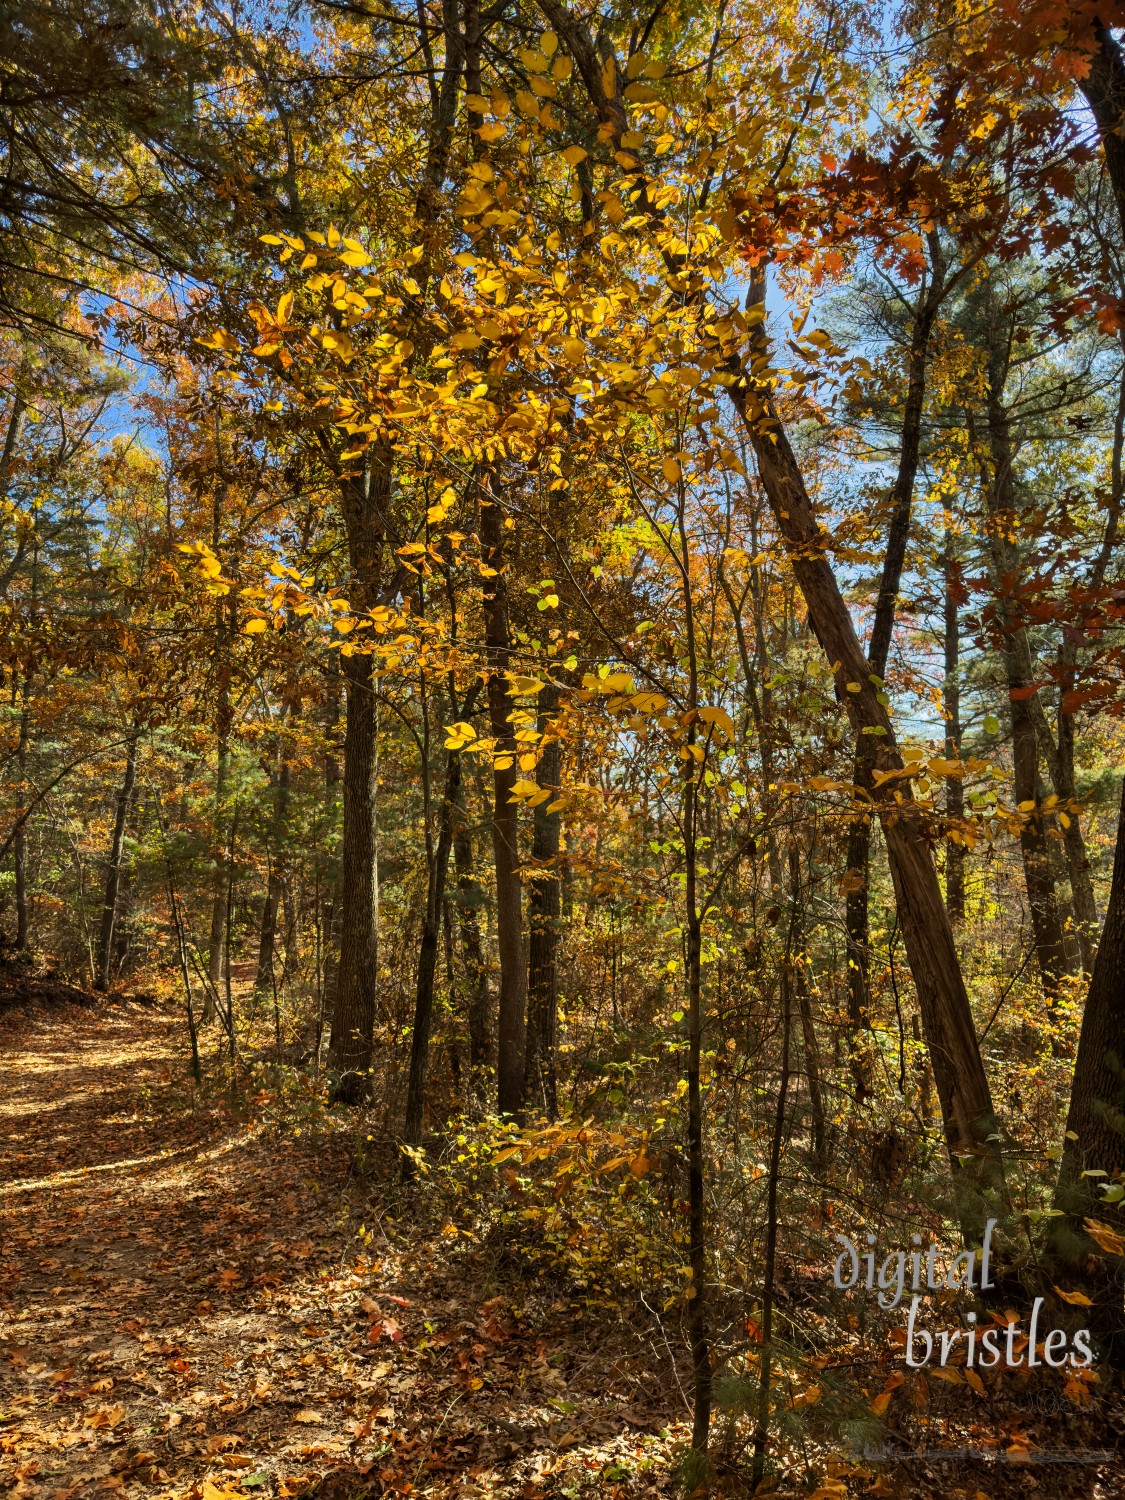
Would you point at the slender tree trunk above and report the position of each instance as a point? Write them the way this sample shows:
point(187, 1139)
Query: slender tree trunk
point(505, 823)
point(353, 1011)
point(104, 959)
point(543, 924)
point(19, 843)
point(216, 945)
point(275, 879)
point(1095, 1124)
point(769, 1275)
point(427, 959)
point(469, 899)
point(857, 879)
point(954, 786)
point(1000, 494)
point(697, 1204)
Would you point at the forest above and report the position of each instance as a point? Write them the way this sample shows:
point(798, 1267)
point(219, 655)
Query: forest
point(562, 759)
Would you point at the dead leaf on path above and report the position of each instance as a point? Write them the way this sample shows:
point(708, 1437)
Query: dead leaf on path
point(309, 1416)
point(105, 1417)
point(221, 1440)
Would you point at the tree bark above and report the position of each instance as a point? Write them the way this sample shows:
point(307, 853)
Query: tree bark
point(353, 1010)
point(543, 924)
point(505, 823)
point(104, 960)
point(954, 786)
point(469, 898)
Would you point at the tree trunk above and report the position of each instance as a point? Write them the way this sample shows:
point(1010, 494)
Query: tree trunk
point(1104, 88)
point(353, 1011)
point(857, 879)
point(505, 824)
point(275, 880)
point(1095, 1124)
point(968, 1115)
point(1000, 496)
point(543, 923)
point(104, 959)
point(427, 960)
point(19, 844)
point(216, 944)
point(469, 898)
point(954, 786)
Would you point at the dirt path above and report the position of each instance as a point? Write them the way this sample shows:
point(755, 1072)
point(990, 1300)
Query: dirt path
point(187, 1309)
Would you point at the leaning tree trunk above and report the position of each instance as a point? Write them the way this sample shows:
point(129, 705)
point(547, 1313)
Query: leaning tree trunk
point(968, 1114)
point(104, 959)
point(505, 823)
point(1095, 1122)
point(353, 1010)
point(543, 924)
point(857, 879)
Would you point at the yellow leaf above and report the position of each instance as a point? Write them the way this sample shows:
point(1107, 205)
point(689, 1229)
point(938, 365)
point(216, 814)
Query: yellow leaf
point(1105, 1236)
point(671, 470)
point(254, 627)
point(573, 155)
point(975, 1381)
point(356, 258)
point(720, 717)
point(284, 307)
point(881, 1402)
point(1076, 1299)
point(574, 349)
point(493, 130)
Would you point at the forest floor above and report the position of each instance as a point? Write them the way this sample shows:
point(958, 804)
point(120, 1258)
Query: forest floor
point(194, 1305)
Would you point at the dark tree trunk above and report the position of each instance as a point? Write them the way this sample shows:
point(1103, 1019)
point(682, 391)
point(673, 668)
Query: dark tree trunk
point(1000, 495)
point(224, 718)
point(275, 880)
point(505, 824)
point(19, 846)
point(543, 923)
point(857, 880)
point(469, 900)
point(104, 959)
point(1104, 88)
point(427, 959)
point(954, 786)
point(353, 1011)
point(1095, 1124)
